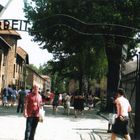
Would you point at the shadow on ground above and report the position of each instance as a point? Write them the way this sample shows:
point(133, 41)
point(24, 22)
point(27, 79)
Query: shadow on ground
point(93, 114)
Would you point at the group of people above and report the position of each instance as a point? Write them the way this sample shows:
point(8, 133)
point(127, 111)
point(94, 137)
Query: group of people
point(30, 105)
point(67, 101)
point(33, 103)
point(9, 95)
point(61, 99)
point(76, 99)
point(78, 103)
point(122, 109)
point(12, 97)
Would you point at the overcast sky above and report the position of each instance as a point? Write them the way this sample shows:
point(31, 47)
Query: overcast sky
point(37, 56)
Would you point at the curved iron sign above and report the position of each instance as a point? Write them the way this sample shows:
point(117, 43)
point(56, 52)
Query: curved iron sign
point(81, 27)
point(70, 22)
point(14, 24)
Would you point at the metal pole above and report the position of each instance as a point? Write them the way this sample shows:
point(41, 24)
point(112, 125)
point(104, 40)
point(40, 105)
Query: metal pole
point(137, 104)
point(5, 7)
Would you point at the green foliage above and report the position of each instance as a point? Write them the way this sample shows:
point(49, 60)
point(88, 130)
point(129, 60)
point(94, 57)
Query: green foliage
point(76, 55)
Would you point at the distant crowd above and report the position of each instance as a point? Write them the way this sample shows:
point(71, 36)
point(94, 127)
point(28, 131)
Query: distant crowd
point(76, 100)
point(12, 97)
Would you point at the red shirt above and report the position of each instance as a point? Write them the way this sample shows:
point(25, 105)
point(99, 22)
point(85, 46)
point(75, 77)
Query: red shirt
point(32, 104)
point(51, 96)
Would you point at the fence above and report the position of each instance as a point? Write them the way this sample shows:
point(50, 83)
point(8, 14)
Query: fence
point(130, 82)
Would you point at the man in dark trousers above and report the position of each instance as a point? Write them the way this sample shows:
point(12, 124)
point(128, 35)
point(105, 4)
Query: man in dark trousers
point(33, 102)
point(21, 98)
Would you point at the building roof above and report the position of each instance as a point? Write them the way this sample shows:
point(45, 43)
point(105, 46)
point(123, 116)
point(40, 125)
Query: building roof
point(23, 54)
point(3, 42)
point(29, 68)
point(10, 32)
point(130, 67)
point(46, 77)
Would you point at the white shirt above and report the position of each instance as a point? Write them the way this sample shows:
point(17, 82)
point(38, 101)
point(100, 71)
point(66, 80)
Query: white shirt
point(123, 106)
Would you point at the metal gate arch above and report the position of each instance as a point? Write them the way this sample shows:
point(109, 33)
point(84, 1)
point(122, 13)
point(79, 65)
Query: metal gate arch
point(130, 82)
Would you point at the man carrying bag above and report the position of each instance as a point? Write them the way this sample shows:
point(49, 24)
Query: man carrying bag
point(33, 104)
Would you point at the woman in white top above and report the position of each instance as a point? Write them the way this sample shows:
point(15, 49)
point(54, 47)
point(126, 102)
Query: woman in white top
point(67, 100)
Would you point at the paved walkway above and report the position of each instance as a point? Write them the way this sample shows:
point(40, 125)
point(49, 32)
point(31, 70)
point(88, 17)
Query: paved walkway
point(90, 126)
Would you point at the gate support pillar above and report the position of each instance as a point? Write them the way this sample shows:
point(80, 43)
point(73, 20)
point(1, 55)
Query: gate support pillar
point(137, 104)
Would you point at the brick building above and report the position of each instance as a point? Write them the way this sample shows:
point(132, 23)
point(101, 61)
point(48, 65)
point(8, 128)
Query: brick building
point(33, 78)
point(47, 82)
point(4, 48)
point(8, 57)
point(22, 60)
point(14, 62)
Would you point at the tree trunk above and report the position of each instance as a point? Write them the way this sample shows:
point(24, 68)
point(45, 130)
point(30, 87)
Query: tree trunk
point(113, 76)
point(80, 83)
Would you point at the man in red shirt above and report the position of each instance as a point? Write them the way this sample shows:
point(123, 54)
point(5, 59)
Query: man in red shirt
point(33, 102)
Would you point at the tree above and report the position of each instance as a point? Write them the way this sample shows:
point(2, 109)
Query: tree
point(118, 23)
point(123, 13)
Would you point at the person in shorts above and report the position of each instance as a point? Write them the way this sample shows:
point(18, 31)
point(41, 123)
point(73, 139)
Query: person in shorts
point(121, 122)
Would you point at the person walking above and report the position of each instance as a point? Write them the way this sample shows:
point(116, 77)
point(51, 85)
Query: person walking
point(112, 113)
point(121, 122)
point(21, 99)
point(67, 100)
point(90, 102)
point(4, 96)
point(33, 104)
point(10, 93)
point(81, 104)
point(55, 102)
point(76, 103)
point(14, 96)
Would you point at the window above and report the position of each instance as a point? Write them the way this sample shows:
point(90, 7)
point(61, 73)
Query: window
point(4, 60)
point(14, 72)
